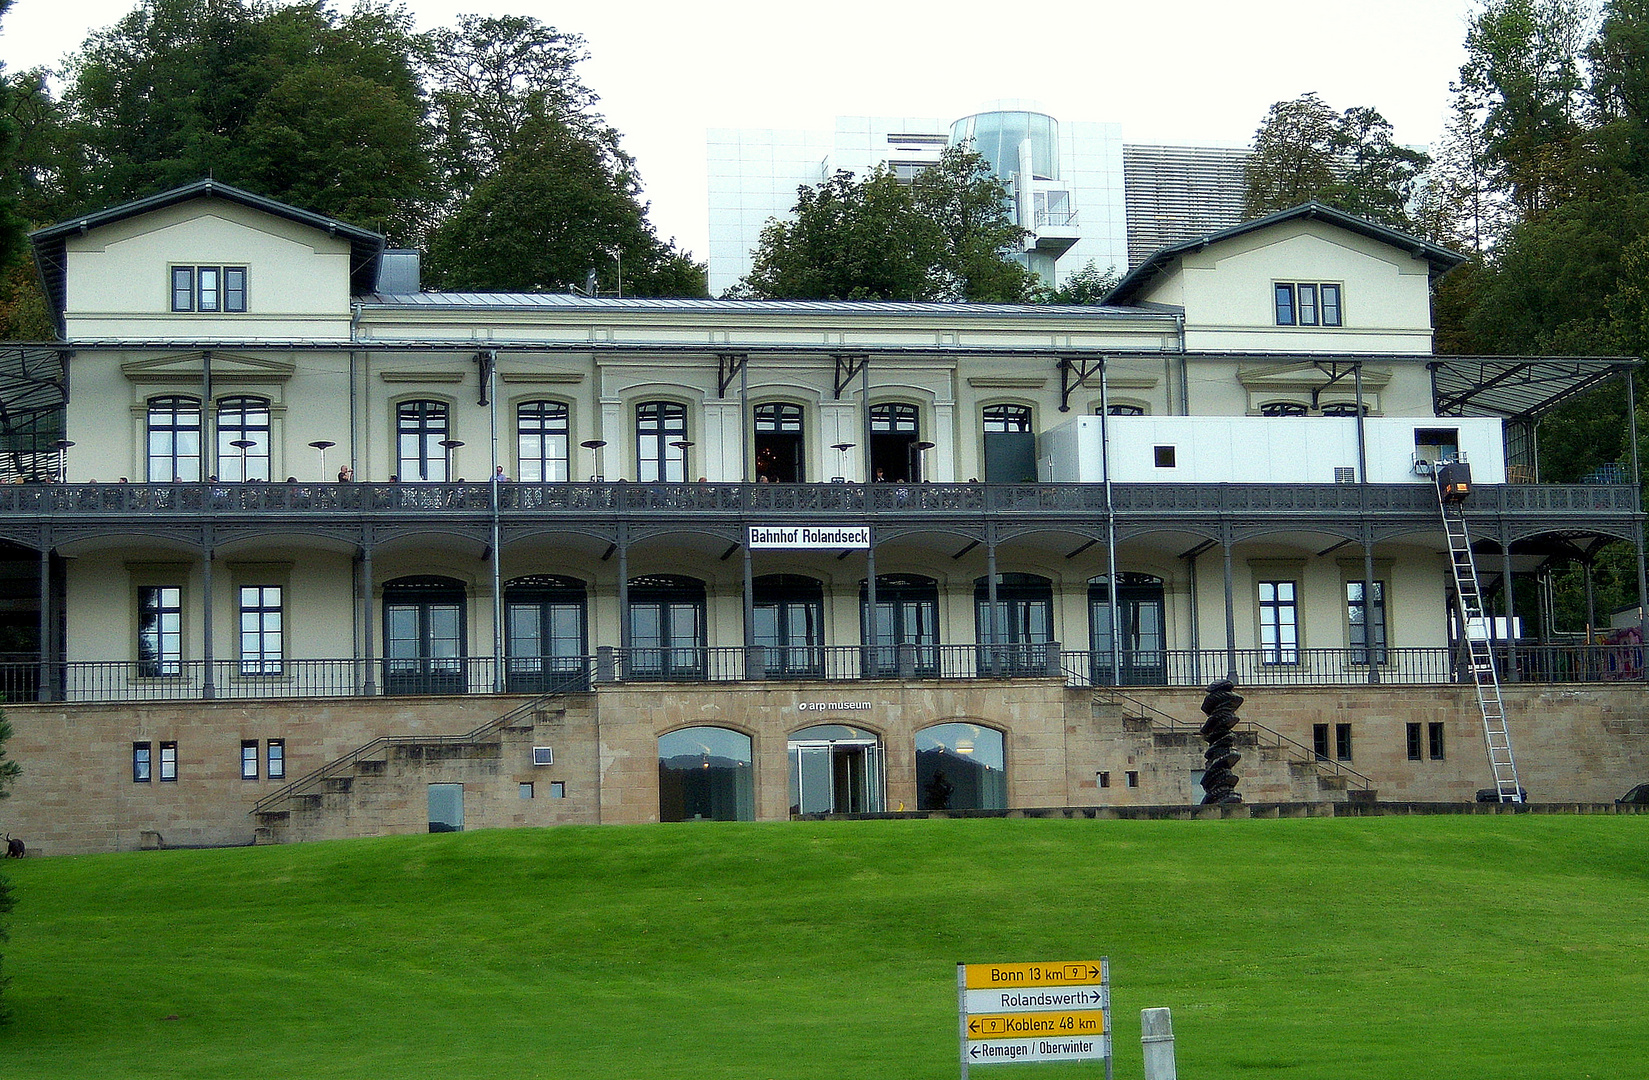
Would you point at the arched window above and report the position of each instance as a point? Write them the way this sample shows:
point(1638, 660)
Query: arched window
point(667, 635)
point(243, 421)
point(1140, 618)
point(894, 435)
point(907, 613)
point(174, 439)
point(1010, 445)
point(1024, 621)
point(420, 429)
point(661, 442)
point(1123, 408)
point(1283, 408)
point(960, 766)
point(789, 612)
point(541, 441)
point(424, 635)
point(778, 442)
point(705, 774)
point(1343, 408)
point(545, 634)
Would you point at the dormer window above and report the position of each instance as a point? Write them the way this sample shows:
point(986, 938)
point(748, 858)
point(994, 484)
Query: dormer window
point(1307, 303)
point(209, 289)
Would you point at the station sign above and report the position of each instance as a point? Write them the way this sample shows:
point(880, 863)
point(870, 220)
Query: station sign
point(804, 537)
point(1014, 1014)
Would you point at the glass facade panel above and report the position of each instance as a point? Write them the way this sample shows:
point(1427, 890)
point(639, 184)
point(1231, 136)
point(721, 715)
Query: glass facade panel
point(960, 767)
point(705, 774)
point(1000, 136)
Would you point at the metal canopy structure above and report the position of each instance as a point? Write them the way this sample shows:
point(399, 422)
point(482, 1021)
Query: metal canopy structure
point(31, 410)
point(1517, 387)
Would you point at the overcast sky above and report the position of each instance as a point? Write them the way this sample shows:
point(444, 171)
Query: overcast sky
point(1176, 71)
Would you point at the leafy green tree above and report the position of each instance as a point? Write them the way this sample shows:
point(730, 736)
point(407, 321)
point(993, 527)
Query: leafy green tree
point(971, 206)
point(1090, 285)
point(550, 213)
point(12, 225)
point(1522, 79)
point(247, 91)
point(947, 236)
point(1305, 150)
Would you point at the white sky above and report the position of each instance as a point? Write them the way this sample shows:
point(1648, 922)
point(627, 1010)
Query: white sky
point(1177, 71)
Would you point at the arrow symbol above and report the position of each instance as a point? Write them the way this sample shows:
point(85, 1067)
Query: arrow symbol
point(1092, 972)
point(973, 1025)
point(973, 1051)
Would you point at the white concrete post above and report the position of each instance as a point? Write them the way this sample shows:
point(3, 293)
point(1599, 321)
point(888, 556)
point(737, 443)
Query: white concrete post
point(1157, 1038)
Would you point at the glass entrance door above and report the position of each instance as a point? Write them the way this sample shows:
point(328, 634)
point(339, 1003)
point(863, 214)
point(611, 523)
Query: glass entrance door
point(835, 769)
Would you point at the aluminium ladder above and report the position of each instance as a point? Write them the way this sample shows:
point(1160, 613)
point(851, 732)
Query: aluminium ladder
point(1474, 627)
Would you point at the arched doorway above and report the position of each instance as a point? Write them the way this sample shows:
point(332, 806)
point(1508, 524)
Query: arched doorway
point(1024, 606)
point(835, 769)
point(424, 639)
point(545, 636)
point(667, 634)
point(1143, 659)
point(960, 766)
point(907, 613)
point(705, 774)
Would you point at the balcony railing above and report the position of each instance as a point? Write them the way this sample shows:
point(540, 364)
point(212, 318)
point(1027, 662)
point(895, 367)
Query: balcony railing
point(23, 678)
point(618, 498)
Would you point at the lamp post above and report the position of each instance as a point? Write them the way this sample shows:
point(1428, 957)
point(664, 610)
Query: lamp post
point(841, 449)
point(243, 445)
point(321, 446)
point(449, 445)
point(594, 446)
point(683, 445)
point(917, 449)
point(62, 446)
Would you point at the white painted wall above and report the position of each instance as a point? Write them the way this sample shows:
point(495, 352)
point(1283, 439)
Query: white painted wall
point(1259, 449)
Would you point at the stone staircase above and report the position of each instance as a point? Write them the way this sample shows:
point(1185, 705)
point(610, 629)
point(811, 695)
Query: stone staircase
point(383, 787)
point(1274, 768)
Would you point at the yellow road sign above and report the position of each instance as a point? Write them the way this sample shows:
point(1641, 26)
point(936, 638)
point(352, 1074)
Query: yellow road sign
point(1028, 1025)
point(1051, 973)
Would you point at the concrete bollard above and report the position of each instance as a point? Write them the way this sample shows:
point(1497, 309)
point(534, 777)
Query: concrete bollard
point(1156, 1027)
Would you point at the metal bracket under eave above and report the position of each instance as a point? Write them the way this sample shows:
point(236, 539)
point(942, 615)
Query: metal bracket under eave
point(848, 365)
point(1083, 369)
point(728, 366)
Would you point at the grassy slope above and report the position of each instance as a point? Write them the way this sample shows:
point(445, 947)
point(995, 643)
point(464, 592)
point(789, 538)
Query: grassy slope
point(1374, 948)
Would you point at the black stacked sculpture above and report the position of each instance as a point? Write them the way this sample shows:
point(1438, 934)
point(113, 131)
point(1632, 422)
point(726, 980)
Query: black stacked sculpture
point(1219, 783)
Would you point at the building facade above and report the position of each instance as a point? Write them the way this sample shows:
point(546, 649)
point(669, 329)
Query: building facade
point(913, 531)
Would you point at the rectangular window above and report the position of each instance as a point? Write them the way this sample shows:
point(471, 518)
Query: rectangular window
point(1104, 779)
point(1307, 303)
point(1319, 741)
point(524, 789)
point(260, 630)
point(234, 288)
point(1434, 740)
point(207, 279)
point(1285, 305)
point(277, 759)
point(1164, 457)
point(1342, 741)
point(142, 762)
point(249, 759)
point(159, 631)
point(183, 288)
point(558, 789)
point(168, 761)
point(1279, 623)
point(1366, 646)
point(1331, 305)
point(1414, 742)
point(1132, 778)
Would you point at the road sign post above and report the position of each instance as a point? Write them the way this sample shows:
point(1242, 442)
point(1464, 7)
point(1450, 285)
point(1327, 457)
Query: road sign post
point(1012, 1014)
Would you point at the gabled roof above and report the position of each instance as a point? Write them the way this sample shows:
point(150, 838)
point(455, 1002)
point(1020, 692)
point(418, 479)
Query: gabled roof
point(366, 247)
point(1162, 261)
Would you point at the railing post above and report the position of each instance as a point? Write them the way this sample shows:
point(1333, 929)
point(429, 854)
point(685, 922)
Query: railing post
point(1056, 669)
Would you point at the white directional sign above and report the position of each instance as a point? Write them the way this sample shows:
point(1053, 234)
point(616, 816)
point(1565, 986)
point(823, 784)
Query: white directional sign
point(1017, 1013)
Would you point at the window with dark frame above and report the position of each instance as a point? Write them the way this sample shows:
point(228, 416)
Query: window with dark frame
point(1164, 456)
point(159, 631)
point(209, 290)
point(243, 420)
point(1342, 741)
point(261, 630)
point(541, 441)
point(142, 762)
point(1366, 647)
point(249, 759)
point(660, 427)
point(1306, 303)
point(174, 440)
point(1434, 740)
point(1104, 779)
point(420, 429)
point(1132, 778)
point(276, 756)
point(1414, 742)
point(168, 761)
point(1279, 623)
point(1319, 741)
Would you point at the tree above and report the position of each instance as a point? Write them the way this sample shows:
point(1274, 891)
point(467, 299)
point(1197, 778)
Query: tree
point(945, 237)
point(12, 225)
point(1522, 78)
point(971, 206)
point(181, 89)
point(552, 212)
point(1090, 285)
point(1304, 150)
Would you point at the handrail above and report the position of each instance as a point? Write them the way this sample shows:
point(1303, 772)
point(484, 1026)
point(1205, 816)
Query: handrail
point(1176, 724)
point(383, 741)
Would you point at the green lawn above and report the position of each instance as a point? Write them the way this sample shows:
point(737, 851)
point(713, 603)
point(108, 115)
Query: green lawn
point(1367, 948)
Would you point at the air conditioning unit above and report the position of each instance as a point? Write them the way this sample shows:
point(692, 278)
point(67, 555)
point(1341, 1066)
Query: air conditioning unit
point(1345, 474)
point(543, 755)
